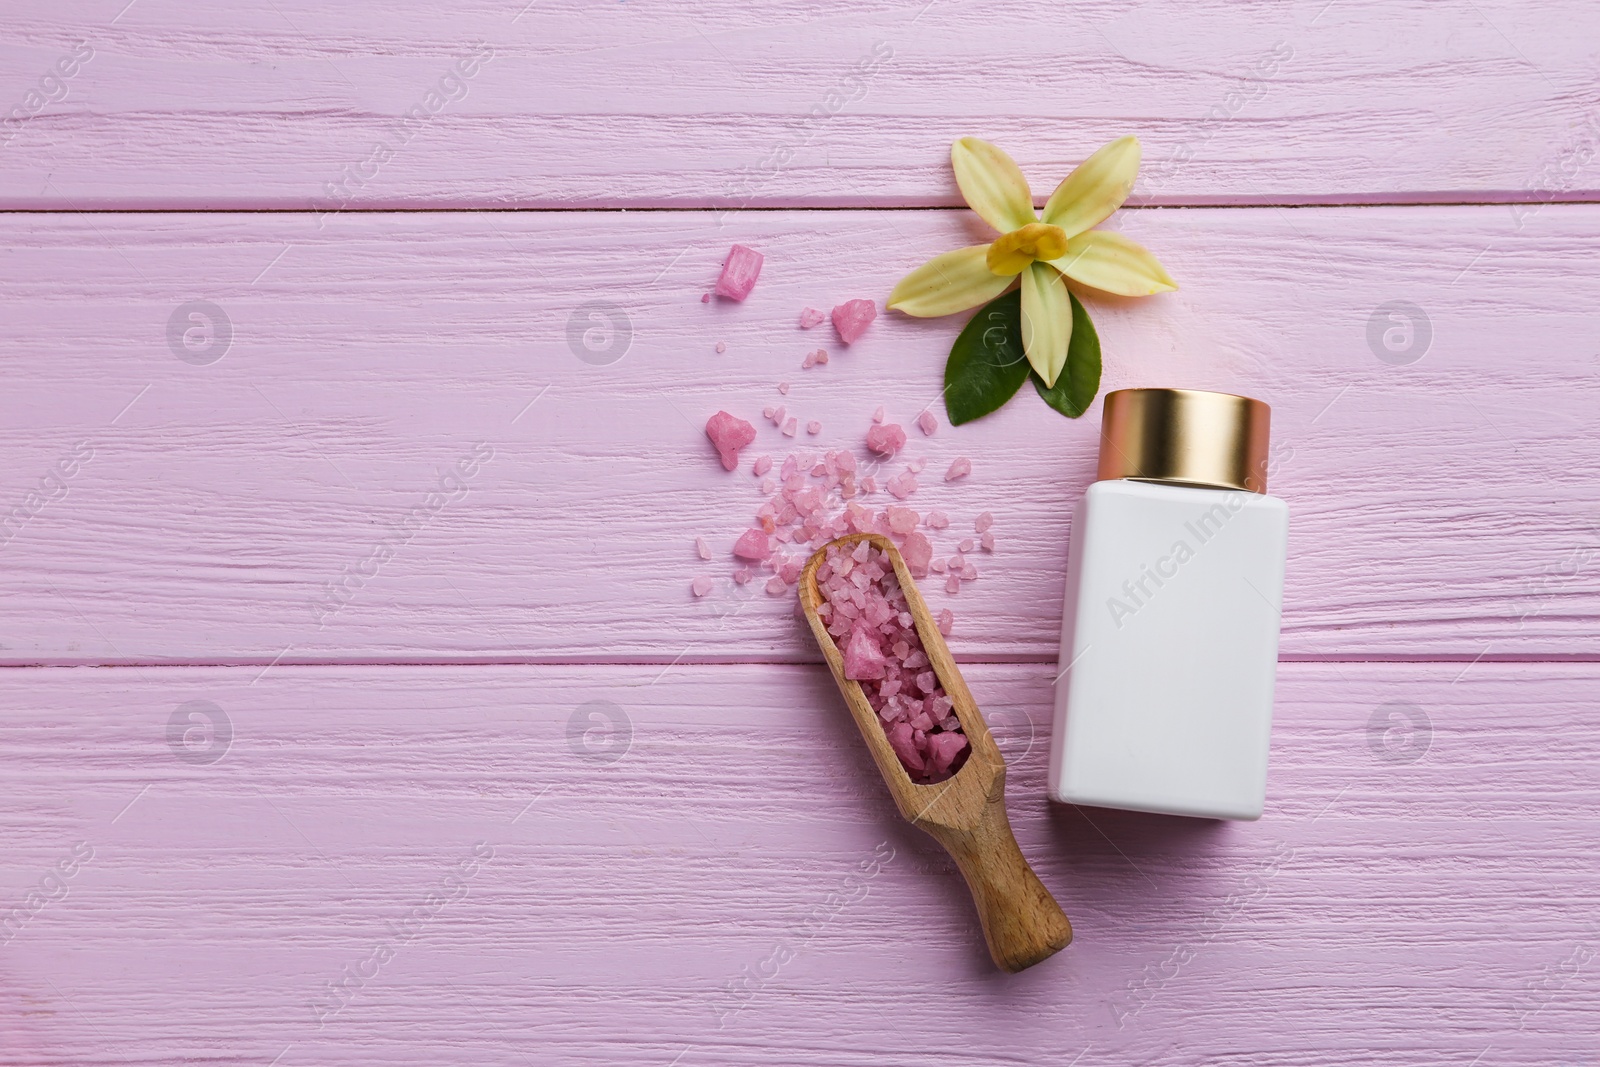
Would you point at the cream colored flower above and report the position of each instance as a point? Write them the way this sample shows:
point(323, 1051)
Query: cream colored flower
point(1037, 248)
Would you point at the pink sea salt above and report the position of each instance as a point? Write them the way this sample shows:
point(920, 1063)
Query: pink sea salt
point(811, 317)
point(729, 434)
point(813, 427)
point(790, 426)
point(879, 415)
point(851, 319)
point(987, 541)
point(902, 485)
point(777, 415)
point(938, 520)
point(753, 545)
point(783, 387)
point(983, 522)
point(965, 545)
point(702, 549)
point(739, 272)
point(809, 362)
point(917, 551)
point(700, 586)
point(762, 465)
point(960, 468)
point(722, 346)
point(864, 610)
point(927, 423)
point(775, 586)
point(741, 575)
point(952, 584)
point(885, 439)
point(946, 620)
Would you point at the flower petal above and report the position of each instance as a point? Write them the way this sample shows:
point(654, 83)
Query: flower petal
point(1046, 320)
point(948, 283)
point(992, 184)
point(1110, 262)
point(1099, 185)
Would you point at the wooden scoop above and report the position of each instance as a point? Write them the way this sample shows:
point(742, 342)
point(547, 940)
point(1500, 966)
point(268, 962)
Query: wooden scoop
point(966, 813)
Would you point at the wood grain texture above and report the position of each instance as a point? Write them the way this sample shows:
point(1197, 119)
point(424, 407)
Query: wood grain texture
point(723, 105)
point(735, 885)
point(1438, 509)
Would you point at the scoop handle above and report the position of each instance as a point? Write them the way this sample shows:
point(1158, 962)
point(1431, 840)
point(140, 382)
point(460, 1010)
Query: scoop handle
point(1022, 922)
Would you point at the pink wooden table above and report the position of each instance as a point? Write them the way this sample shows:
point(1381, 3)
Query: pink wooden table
point(525, 800)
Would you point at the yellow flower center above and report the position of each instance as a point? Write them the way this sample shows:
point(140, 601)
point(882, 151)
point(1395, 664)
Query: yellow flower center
point(1013, 251)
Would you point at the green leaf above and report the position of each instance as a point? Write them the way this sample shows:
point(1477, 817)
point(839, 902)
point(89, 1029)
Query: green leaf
point(1079, 380)
point(987, 365)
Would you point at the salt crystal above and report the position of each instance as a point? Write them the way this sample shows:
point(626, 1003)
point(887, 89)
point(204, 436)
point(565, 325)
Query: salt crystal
point(927, 423)
point(811, 317)
point(822, 355)
point(722, 346)
point(969, 571)
point(753, 545)
point(783, 387)
point(938, 520)
point(705, 298)
point(775, 585)
point(790, 426)
point(813, 427)
point(937, 566)
point(917, 552)
point(878, 416)
point(777, 415)
point(886, 439)
point(902, 485)
point(729, 434)
point(958, 469)
point(947, 622)
point(952, 584)
point(742, 575)
point(901, 520)
point(916, 465)
point(984, 521)
point(700, 586)
point(809, 362)
point(768, 485)
point(966, 544)
point(987, 541)
point(767, 411)
point(762, 465)
point(702, 548)
point(869, 484)
point(852, 317)
point(869, 619)
point(739, 272)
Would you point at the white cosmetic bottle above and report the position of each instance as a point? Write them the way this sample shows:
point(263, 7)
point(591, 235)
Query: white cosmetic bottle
point(1169, 642)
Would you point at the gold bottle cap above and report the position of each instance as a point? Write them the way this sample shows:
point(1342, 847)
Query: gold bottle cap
point(1185, 436)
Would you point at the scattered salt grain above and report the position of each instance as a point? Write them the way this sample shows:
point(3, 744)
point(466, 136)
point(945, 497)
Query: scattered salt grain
point(762, 465)
point(783, 387)
point(966, 544)
point(777, 415)
point(902, 485)
point(753, 545)
point(947, 621)
point(822, 355)
point(809, 362)
point(938, 520)
point(959, 469)
point(775, 585)
point(701, 548)
point(729, 434)
point(937, 566)
point(851, 319)
point(741, 575)
point(984, 521)
point(768, 411)
point(917, 551)
point(790, 426)
point(952, 584)
point(700, 586)
point(811, 317)
point(986, 539)
point(739, 272)
point(969, 571)
point(705, 298)
point(878, 416)
point(813, 427)
point(916, 465)
point(927, 423)
point(874, 630)
point(722, 346)
point(886, 439)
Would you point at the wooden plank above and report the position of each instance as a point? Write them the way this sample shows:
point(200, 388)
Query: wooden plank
point(735, 885)
point(1439, 509)
point(793, 104)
